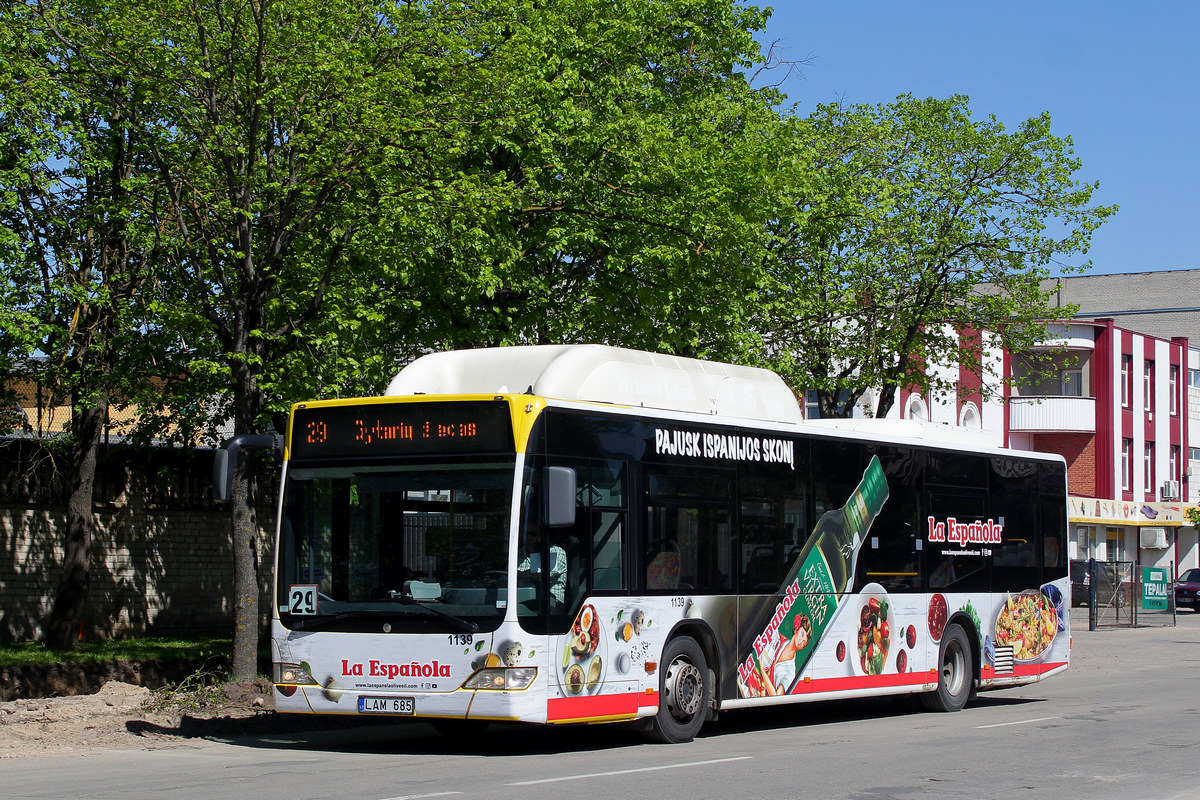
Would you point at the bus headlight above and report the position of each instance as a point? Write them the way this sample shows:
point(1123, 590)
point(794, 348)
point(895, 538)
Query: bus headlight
point(512, 678)
point(293, 673)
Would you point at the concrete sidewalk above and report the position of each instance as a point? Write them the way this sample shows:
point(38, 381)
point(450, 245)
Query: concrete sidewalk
point(1090, 647)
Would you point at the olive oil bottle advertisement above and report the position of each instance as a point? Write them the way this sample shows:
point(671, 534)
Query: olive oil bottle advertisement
point(811, 592)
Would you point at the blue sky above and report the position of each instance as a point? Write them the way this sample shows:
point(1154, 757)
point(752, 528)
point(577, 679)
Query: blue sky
point(1119, 78)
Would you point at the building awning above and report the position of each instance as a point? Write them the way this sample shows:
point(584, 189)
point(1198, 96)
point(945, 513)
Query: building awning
point(1123, 512)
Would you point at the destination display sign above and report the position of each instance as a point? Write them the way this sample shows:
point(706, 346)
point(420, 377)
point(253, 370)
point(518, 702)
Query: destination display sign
point(384, 429)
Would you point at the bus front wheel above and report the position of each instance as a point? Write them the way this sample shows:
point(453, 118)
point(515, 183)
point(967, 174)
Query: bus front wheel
point(683, 698)
point(956, 672)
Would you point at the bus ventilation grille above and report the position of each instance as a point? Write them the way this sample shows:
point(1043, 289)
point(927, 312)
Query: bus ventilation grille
point(1004, 660)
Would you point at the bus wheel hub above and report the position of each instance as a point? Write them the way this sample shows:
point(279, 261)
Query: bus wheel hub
point(683, 689)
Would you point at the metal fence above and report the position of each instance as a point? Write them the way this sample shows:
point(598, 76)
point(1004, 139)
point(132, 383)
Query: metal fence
point(1119, 594)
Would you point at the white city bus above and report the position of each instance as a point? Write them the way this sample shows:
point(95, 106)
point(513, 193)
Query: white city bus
point(576, 534)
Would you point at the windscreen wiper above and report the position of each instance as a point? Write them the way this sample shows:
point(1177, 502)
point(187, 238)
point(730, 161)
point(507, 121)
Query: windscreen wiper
point(408, 600)
point(313, 623)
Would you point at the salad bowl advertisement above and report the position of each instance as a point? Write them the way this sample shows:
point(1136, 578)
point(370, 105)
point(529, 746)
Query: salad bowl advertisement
point(876, 627)
point(1029, 623)
point(878, 635)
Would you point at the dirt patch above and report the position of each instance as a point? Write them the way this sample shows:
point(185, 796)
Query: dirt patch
point(71, 678)
point(124, 716)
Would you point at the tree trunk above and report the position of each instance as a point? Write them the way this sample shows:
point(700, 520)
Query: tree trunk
point(887, 399)
point(247, 403)
point(65, 626)
point(245, 572)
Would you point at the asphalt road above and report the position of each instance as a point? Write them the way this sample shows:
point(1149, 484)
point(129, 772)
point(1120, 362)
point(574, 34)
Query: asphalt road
point(1121, 723)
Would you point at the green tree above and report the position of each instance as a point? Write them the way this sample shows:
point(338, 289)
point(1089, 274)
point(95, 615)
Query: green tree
point(79, 241)
point(344, 185)
point(931, 226)
point(352, 183)
point(282, 132)
point(258, 137)
point(634, 148)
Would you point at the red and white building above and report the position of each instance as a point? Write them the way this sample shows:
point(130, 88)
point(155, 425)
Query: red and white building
point(1123, 409)
point(1115, 404)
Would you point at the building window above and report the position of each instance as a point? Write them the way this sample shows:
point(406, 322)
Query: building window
point(1127, 464)
point(1148, 467)
point(1114, 544)
point(1148, 386)
point(1071, 381)
point(812, 402)
point(1173, 466)
point(1126, 381)
point(812, 405)
point(969, 418)
point(1194, 378)
point(1085, 542)
point(1174, 389)
point(917, 408)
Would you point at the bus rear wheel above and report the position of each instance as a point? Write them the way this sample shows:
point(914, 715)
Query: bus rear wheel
point(956, 672)
point(683, 698)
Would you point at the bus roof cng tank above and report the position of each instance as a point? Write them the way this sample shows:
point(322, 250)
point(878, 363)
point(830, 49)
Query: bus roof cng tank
point(603, 374)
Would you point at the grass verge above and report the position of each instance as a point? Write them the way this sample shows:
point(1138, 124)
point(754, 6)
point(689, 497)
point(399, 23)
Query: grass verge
point(150, 648)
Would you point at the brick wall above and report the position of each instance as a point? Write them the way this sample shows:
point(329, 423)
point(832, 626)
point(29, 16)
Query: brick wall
point(161, 558)
point(150, 571)
point(1079, 449)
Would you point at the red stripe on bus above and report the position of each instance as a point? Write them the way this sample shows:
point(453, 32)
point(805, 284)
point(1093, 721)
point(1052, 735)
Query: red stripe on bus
point(819, 685)
point(601, 705)
point(607, 706)
point(1030, 670)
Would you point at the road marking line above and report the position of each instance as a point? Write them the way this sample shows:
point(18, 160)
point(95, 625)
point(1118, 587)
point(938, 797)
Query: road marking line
point(419, 796)
point(1021, 722)
point(630, 771)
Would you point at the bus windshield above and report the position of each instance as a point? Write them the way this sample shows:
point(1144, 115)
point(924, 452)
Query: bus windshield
point(407, 546)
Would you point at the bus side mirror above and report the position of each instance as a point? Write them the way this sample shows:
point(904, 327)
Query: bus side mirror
point(559, 483)
point(220, 483)
point(225, 459)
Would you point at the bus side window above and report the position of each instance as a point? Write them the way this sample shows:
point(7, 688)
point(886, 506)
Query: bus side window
point(1054, 534)
point(606, 495)
point(1053, 513)
point(837, 467)
point(892, 556)
point(594, 545)
point(689, 530)
point(953, 566)
point(607, 550)
point(1017, 558)
point(773, 521)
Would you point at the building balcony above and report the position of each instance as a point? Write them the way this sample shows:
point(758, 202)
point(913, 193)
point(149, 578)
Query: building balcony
point(1072, 336)
point(1048, 414)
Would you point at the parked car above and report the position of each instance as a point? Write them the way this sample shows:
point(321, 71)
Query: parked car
point(1187, 590)
point(1107, 584)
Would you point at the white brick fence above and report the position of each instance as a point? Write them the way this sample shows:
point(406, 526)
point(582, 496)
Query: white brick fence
point(161, 559)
